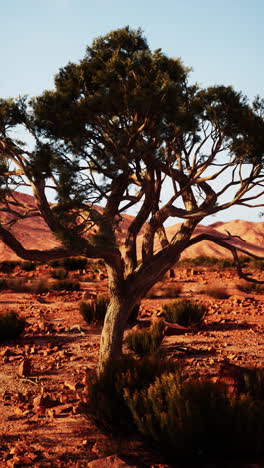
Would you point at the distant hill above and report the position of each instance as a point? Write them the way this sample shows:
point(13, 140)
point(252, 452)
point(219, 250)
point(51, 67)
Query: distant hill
point(34, 233)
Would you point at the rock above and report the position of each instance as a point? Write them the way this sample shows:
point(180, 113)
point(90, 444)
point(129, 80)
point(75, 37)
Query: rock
point(24, 369)
point(110, 462)
point(174, 329)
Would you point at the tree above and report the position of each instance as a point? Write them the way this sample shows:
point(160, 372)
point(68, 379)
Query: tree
point(117, 128)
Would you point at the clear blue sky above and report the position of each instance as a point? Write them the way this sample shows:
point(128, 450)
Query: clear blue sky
point(223, 41)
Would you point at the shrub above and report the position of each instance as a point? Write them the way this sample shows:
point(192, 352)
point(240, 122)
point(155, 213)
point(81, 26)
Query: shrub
point(11, 325)
point(197, 419)
point(249, 288)
point(59, 273)
point(74, 263)
point(28, 266)
point(217, 292)
point(94, 311)
point(184, 312)
point(3, 284)
point(147, 340)
point(105, 394)
point(7, 266)
point(158, 290)
point(39, 286)
point(18, 285)
point(66, 285)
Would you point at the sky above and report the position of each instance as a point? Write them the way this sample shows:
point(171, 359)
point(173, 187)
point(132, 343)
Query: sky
point(223, 42)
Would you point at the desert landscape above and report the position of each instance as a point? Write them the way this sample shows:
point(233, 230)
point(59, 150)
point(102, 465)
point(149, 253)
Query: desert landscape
point(44, 372)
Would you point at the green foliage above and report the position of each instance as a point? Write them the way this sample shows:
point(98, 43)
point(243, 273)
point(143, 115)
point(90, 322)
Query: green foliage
point(28, 266)
point(106, 393)
point(95, 310)
point(11, 325)
point(197, 419)
point(147, 340)
point(59, 273)
point(184, 312)
point(248, 287)
point(66, 285)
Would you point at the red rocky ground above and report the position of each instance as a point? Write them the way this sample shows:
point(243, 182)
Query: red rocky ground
point(42, 374)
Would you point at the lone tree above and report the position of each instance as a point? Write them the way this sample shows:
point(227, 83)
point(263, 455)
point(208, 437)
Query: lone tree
point(120, 127)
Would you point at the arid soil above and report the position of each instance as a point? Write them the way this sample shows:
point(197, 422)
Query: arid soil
point(43, 373)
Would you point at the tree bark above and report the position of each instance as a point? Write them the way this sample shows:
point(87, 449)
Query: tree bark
point(113, 330)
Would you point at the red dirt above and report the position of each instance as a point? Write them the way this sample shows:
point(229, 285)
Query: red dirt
point(41, 420)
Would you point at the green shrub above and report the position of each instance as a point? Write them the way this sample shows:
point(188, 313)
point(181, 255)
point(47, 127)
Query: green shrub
point(94, 311)
point(147, 340)
point(105, 394)
point(184, 312)
point(197, 419)
point(28, 266)
point(59, 273)
point(11, 325)
point(249, 288)
point(66, 285)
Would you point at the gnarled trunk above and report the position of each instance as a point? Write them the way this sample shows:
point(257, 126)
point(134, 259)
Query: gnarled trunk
point(113, 330)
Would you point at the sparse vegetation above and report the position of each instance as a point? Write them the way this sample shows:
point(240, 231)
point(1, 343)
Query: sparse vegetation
point(217, 292)
point(11, 325)
point(106, 392)
point(59, 273)
point(66, 285)
point(28, 266)
point(249, 288)
point(147, 340)
point(159, 290)
point(184, 312)
point(94, 311)
point(7, 266)
point(192, 419)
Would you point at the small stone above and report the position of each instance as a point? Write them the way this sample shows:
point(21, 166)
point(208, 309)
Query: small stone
point(24, 369)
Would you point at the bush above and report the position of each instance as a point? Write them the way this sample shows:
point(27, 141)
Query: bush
point(59, 273)
point(147, 340)
point(7, 266)
point(94, 311)
point(158, 290)
point(197, 419)
point(217, 292)
point(18, 285)
point(11, 325)
point(249, 288)
point(3, 284)
point(66, 285)
point(184, 312)
point(74, 263)
point(28, 266)
point(105, 394)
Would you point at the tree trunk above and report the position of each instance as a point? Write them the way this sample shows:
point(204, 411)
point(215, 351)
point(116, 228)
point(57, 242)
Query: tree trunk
point(113, 330)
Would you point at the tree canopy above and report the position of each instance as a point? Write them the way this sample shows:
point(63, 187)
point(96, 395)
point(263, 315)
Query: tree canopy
point(119, 127)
